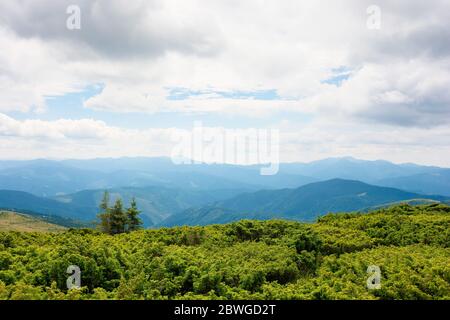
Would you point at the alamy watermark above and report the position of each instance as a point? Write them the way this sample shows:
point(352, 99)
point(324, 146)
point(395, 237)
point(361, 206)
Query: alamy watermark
point(374, 17)
point(232, 146)
point(73, 21)
point(374, 280)
point(74, 280)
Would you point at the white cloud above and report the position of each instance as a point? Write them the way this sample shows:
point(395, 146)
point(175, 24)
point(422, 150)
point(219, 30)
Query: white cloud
point(87, 138)
point(83, 138)
point(114, 98)
point(141, 49)
point(398, 82)
point(324, 138)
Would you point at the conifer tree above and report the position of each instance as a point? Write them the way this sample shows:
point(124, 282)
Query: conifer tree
point(105, 215)
point(133, 221)
point(118, 218)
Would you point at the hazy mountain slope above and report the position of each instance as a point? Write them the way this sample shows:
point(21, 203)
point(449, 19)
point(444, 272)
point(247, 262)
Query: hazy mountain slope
point(304, 203)
point(176, 179)
point(49, 178)
point(156, 203)
point(165, 169)
point(355, 169)
point(46, 178)
point(53, 178)
point(141, 171)
point(20, 201)
point(428, 183)
point(246, 174)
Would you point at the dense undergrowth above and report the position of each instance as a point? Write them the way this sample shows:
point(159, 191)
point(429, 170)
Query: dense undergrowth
point(242, 260)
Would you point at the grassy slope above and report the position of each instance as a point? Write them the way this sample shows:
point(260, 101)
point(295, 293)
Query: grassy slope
point(13, 221)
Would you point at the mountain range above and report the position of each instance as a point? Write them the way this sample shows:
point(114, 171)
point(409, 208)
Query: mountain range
point(50, 178)
point(162, 206)
point(170, 194)
point(305, 203)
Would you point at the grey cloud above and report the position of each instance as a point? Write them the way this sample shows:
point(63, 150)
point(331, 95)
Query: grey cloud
point(112, 28)
point(404, 115)
point(428, 41)
point(408, 30)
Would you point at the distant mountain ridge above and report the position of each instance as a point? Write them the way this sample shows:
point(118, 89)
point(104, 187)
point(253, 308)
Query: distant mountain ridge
point(305, 203)
point(167, 193)
point(50, 178)
point(437, 182)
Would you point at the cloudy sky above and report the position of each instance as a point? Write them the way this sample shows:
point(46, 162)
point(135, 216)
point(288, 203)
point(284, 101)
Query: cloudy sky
point(321, 72)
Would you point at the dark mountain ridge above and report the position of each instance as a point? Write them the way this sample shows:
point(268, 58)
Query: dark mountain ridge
point(305, 203)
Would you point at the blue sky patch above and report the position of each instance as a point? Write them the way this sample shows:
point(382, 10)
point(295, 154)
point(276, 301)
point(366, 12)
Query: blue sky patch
point(184, 93)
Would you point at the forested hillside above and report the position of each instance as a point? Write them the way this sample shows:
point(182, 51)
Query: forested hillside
point(273, 259)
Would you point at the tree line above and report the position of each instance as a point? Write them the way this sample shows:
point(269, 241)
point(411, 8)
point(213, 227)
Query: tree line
point(117, 219)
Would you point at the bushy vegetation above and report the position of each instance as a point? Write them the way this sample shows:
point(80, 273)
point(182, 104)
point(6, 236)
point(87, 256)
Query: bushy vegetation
point(242, 260)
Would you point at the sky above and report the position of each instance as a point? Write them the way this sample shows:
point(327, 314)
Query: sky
point(335, 78)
